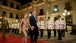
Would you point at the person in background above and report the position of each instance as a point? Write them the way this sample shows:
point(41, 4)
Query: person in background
point(49, 27)
point(23, 27)
point(41, 27)
point(63, 26)
point(12, 27)
point(4, 25)
point(59, 25)
point(17, 27)
point(55, 26)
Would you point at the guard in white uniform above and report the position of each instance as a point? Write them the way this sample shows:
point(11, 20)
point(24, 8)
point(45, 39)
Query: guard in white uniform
point(59, 26)
point(12, 27)
point(41, 26)
point(64, 24)
point(55, 26)
point(17, 27)
point(49, 27)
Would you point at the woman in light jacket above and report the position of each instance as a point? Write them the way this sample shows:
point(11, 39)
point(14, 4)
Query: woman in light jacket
point(24, 25)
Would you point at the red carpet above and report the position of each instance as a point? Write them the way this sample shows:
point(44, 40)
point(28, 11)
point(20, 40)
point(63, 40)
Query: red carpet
point(16, 39)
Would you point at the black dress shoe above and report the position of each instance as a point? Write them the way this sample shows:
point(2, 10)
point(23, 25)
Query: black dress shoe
point(63, 36)
point(54, 36)
point(59, 39)
point(48, 37)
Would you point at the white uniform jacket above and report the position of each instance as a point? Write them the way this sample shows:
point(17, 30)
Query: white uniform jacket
point(59, 24)
point(49, 24)
point(17, 25)
point(41, 24)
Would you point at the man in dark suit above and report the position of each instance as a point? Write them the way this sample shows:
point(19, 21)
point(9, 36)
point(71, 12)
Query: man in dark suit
point(34, 31)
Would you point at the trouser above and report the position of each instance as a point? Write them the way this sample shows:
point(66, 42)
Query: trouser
point(63, 33)
point(34, 35)
point(41, 32)
point(8, 30)
point(3, 33)
point(0, 29)
point(60, 32)
point(49, 33)
point(17, 31)
point(12, 30)
point(54, 32)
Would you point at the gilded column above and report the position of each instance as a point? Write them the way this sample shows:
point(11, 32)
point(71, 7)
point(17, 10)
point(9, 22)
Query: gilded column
point(46, 11)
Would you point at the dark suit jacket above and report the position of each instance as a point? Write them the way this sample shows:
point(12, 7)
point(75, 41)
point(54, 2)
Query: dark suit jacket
point(33, 22)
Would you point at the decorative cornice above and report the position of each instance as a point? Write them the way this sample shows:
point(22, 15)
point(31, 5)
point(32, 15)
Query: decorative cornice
point(31, 7)
point(40, 4)
point(14, 1)
point(5, 7)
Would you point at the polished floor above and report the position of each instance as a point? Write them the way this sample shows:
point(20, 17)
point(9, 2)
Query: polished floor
point(67, 39)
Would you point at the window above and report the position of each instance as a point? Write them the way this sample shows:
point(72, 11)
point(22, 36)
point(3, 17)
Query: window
point(55, 9)
point(11, 15)
point(69, 19)
point(68, 6)
point(12, 5)
point(17, 16)
point(56, 6)
point(5, 3)
point(41, 12)
point(3, 13)
point(17, 7)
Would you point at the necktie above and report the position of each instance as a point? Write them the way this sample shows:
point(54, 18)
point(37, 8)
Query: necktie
point(35, 17)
